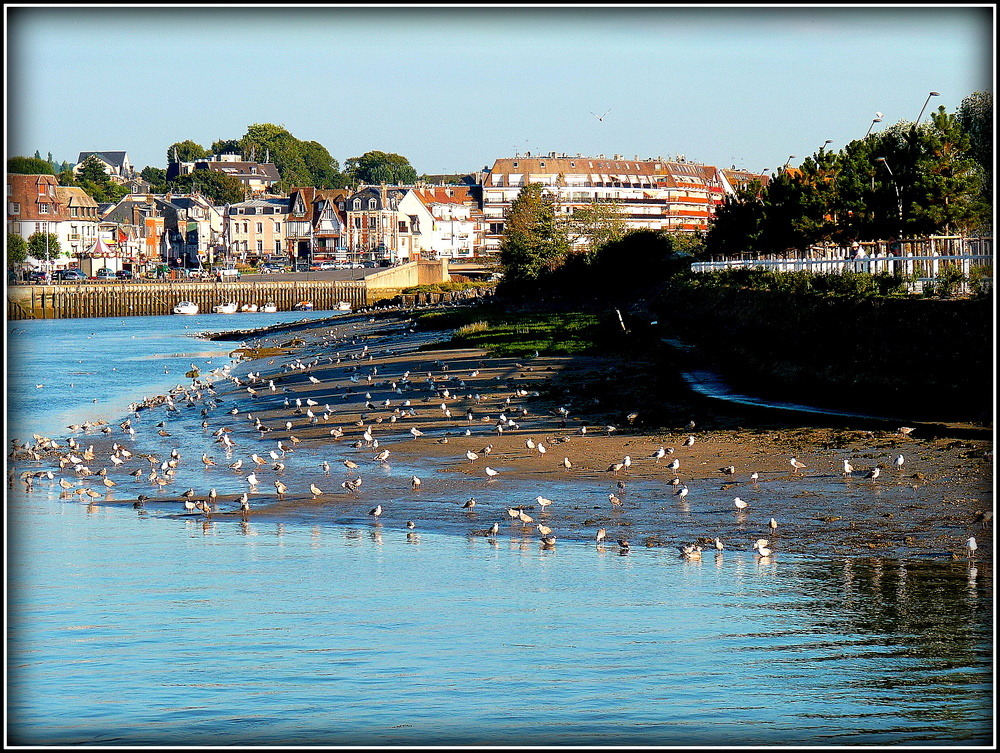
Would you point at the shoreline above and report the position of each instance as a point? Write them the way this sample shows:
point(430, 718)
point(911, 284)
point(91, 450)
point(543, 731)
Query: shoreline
point(927, 510)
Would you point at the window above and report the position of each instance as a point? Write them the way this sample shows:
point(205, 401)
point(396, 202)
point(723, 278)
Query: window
point(260, 227)
point(357, 222)
point(357, 203)
point(260, 247)
point(277, 227)
point(372, 204)
point(15, 207)
point(246, 227)
point(373, 222)
point(277, 247)
point(43, 208)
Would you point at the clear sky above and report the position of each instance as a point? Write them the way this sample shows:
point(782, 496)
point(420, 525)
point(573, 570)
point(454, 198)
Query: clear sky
point(453, 88)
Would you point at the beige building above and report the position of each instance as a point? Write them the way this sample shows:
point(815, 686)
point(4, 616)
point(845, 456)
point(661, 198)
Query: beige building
point(256, 229)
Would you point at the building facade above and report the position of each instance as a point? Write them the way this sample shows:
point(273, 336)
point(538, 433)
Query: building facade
point(255, 229)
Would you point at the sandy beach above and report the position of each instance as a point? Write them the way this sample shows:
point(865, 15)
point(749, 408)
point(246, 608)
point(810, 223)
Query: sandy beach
point(395, 413)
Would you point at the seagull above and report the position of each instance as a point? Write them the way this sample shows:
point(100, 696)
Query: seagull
point(761, 546)
point(252, 480)
point(905, 430)
point(753, 477)
point(899, 461)
point(689, 441)
point(281, 488)
point(740, 504)
point(682, 492)
point(544, 530)
point(614, 499)
point(548, 541)
point(674, 464)
point(600, 117)
point(375, 511)
point(567, 463)
point(796, 465)
point(414, 482)
point(659, 454)
point(469, 504)
point(490, 472)
point(543, 502)
point(848, 468)
point(971, 546)
point(873, 473)
point(772, 524)
point(718, 545)
point(471, 455)
point(601, 535)
point(316, 491)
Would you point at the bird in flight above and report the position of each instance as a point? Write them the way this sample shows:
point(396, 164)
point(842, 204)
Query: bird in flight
point(600, 117)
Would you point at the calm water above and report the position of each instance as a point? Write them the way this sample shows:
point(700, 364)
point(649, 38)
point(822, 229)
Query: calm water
point(147, 628)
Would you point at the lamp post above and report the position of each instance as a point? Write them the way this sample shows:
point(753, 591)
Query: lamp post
point(828, 141)
point(876, 119)
point(932, 94)
point(899, 199)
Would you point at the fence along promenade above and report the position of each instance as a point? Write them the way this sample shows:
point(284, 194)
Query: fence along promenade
point(921, 259)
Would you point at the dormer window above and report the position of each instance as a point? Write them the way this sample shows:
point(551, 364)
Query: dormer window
point(357, 203)
point(372, 204)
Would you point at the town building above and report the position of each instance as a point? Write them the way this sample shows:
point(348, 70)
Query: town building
point(254, 230)
point(139, 218)
point(193, 230)
point(257, 178)
point(78, 229)
point(651, 194)
point(447, 221)
point(376, 230)
point(116, 165)
point(316, 225)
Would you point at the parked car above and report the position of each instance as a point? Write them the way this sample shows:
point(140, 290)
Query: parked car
point(105, 273)
point(124, 274)
point(271, 267)
point(38, 275)
point(327, 265)
point(69, 275)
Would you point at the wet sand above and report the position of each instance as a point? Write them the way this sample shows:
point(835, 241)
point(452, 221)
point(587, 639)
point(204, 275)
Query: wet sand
point(354, 365)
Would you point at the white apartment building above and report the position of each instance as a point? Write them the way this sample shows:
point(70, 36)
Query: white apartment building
point(448, 221)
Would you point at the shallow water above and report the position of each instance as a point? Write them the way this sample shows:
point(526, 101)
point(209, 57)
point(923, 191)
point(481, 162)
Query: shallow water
point(145, 627)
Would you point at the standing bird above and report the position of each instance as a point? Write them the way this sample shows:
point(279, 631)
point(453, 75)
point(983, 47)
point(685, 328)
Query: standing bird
point(689, 441)
point(469, 504)
point(898, 462)
point(971, 547)
point(316, 491)
point(796, 465)
point(718, 545)
point(471, 455)
point(414, 482)
point(566, 463)
point(772, 524)
point(375, 511)
point(543, 502)
point(761, 546)
point(280, 488)
point(253, 480)
point(491, 472)
point(659, 454)
point(674, 464)
point(848, 468)
point(754, 477)
point(244, 504)
point(740, 504)
point(601, 535)
point(681, 493)
point(873, 473)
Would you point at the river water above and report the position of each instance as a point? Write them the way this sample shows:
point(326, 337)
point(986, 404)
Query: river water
point(146, 627)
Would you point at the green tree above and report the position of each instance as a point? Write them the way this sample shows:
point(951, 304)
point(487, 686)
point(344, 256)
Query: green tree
point(17, 249)
point(377, 167)
point(299, 163)
point(219, 187)
point(975, 115)
point(947, 181)
point(29, 166)
point(156, 177)
point(225, 146)
point(533, 241)
point(92, 170)
point(185, 151)
point(43, 246)
point(735, 228)
point(595, 225)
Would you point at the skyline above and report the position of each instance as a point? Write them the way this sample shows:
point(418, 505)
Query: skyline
point(453, 89)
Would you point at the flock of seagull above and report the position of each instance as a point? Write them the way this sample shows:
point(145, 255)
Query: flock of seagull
point(440, 394)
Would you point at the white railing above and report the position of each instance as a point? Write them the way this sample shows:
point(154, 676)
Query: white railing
point(922, 260)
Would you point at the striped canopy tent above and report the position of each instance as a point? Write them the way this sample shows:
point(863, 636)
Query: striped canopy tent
point(101, 250)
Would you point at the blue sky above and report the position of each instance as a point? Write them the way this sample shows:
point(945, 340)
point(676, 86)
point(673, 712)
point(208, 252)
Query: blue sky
point(454, 88)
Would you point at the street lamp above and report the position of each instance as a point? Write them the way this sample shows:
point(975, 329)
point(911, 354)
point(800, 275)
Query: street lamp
point(790, 158)
point(828, 141)
point(932, 94)
point(877, 119)
point(899, 199)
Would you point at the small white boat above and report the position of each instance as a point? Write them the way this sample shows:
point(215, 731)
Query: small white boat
point(303, 306)
point(343, 306)
point(269, 308)
point(226, 308)
point(186, 307)
point(249, 308)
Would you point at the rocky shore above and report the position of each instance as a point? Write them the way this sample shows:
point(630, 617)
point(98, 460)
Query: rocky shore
point(367, 412)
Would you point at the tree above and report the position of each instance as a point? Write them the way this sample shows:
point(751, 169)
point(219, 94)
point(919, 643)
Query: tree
point(299, 163)
point(185, 151)
point(29, 166)
point(225, 146)
point(17, 249)
point(156, 177)
point(92, 170)
point(975, 115)
point(219, 187)
point(595, 225)
point(43, 246)
point(93, 179)
point(533, 241)
point(735, 228)
point(377, 167)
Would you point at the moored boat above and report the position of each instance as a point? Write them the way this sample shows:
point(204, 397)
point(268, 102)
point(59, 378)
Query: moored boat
point(303, 306)
point(225, 308)
point(185, 307)
point(343, 306)
point(269, 308)
point(249, 308)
